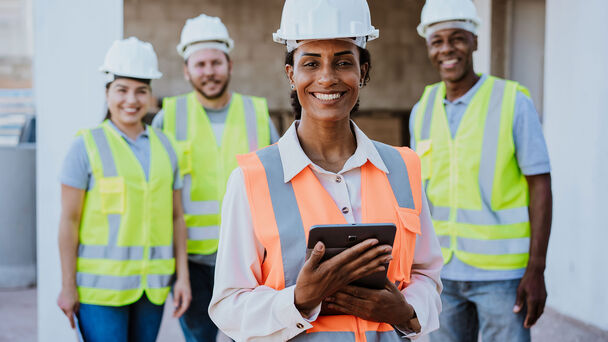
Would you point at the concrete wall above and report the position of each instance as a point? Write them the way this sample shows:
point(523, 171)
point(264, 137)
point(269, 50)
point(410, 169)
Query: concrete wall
point(528, 47)
point(71, 38)
point(575, 127)
point(482, 58)
point(17, 43)
point(400, 66)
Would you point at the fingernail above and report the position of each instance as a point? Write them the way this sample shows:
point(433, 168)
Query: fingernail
point(374, 242)
point(319, 246)
point(329, 299)
point(516, 308)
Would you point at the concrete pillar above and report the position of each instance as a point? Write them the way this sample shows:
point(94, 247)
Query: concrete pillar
point(575, 126)
point(70, 41)
point(483, 56)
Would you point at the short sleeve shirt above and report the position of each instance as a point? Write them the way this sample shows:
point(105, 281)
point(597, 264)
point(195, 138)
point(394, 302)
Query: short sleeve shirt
point(532, 157)
point(76, 171)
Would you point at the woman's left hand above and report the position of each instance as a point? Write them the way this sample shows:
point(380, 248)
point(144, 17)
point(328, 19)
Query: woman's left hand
point(387, 305)
point(181, 296)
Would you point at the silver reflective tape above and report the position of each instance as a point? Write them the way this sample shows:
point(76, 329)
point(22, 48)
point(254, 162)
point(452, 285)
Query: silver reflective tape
point(158, 281)
point(397, 174)
point(439, 213)
point(108, 282)
point(181, 118)
point(382, 336)
point(425, 133)
point(287, 214)
point(105, 153)
point(203, 233)
point(489, 218)
point(168, 147)
point(197, 207)
point(251, 123)
point(444, 240)
point(161, 252)
point(110, 252)
point(489, 145)
point(333, 336)
point(113, 229)
point(494, 247)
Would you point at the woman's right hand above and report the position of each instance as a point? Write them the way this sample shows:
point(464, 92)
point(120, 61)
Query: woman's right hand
point(318, 280)
point(68, 303)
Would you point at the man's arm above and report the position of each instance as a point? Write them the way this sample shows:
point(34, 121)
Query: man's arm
point(531, 290)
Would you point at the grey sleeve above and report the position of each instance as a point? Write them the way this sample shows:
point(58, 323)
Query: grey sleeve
point(530, 146)
point(274, 134)
point(157, 121)
point(76, 169)
point(412, 123)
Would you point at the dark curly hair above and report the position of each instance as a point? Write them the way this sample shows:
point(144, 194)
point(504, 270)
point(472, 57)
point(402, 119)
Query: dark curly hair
point(364, 57)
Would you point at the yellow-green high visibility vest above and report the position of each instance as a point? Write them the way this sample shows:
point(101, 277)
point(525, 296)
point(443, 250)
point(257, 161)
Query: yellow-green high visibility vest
point(126, 230)
point(477, 194)
point(205, 166)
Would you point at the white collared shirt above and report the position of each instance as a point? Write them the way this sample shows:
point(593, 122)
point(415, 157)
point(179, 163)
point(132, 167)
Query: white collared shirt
point(246, 310)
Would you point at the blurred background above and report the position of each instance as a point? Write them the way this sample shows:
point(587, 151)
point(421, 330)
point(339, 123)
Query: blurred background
point(50, 52)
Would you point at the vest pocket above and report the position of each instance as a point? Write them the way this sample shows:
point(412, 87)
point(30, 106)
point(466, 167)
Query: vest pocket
point(408, 226)
point(424, 148)
point(184, 149)
point(112, 191)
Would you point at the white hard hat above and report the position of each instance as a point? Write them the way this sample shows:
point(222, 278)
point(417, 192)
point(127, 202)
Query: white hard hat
point(131, 58)
point(325, 19)
point(204, 29)
point(461, 12)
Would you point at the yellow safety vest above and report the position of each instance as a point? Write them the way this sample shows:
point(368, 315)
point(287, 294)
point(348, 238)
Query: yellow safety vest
point(205, 166)
point(477, 193)
point(126, 230)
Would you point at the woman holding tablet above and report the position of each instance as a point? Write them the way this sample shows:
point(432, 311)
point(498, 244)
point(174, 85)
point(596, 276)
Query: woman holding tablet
point(122, 235)
point(325, 170)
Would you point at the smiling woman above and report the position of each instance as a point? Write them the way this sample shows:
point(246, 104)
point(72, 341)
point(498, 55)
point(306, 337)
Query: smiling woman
point(325, 170)
point(364, 59)
point(122, 235)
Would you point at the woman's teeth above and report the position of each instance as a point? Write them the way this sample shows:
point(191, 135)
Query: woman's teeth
point(327, 97)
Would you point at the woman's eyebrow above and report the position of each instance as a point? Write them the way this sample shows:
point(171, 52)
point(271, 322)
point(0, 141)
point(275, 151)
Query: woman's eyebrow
point(347, 52)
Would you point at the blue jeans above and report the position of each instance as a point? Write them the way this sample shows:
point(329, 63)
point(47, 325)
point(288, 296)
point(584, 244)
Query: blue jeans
point(474, 307)
point(196, 324)
point(138, 322)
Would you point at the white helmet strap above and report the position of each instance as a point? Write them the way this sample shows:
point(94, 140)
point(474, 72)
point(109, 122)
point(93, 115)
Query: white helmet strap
point(294, 44)
point(466, 25)
point(192, 48)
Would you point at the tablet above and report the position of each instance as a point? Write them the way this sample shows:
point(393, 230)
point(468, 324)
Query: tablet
point(338, 237)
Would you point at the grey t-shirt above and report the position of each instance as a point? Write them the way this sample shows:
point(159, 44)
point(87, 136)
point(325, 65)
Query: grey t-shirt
point(532, 157)
point(76, 171)
point(217, 118)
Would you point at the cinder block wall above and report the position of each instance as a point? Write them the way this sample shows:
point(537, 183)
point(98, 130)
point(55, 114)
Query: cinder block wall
point(400, 68)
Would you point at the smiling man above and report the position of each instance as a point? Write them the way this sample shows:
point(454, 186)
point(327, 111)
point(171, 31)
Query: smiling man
point(485, 169)
point(211, 126)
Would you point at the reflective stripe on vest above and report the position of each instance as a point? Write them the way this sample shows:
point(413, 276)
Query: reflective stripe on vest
point(111, 274)
point(203, 216)
point(478, 249)
point(285, 212)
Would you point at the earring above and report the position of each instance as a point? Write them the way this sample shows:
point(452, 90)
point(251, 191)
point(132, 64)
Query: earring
point(293, 87)
point(360, 84)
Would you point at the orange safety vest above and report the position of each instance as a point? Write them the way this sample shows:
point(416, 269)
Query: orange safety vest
point(283, 213)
